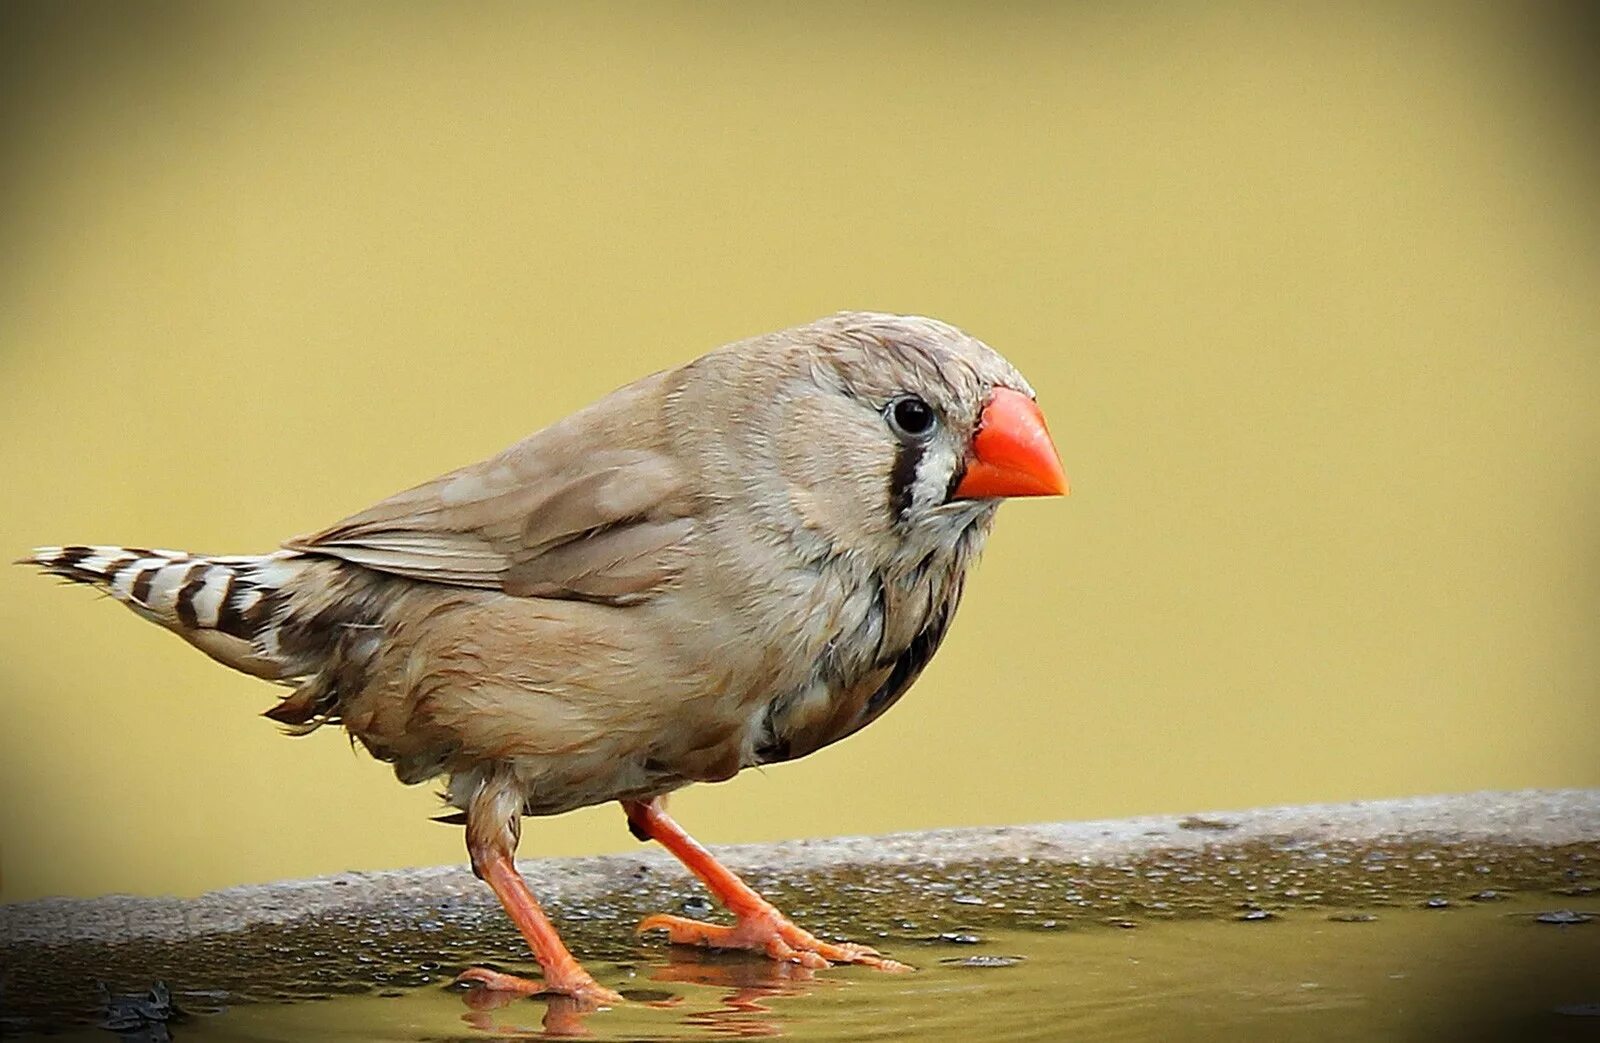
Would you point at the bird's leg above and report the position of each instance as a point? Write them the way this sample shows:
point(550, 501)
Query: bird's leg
point(760, 926)
point(493, 827)
point(562, 972)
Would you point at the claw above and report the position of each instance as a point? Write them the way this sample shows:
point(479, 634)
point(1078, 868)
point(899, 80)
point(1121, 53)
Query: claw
point(770, 933)
point(584, 989)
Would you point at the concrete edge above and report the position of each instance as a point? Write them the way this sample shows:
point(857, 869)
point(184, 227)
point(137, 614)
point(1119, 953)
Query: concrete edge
point(1527, 818)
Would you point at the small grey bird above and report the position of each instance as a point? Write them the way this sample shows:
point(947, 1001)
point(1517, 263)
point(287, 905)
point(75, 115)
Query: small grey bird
point(731, 563)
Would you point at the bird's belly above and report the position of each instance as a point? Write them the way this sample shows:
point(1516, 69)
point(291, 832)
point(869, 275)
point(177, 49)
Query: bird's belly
point(578, 782)
point(703, 742)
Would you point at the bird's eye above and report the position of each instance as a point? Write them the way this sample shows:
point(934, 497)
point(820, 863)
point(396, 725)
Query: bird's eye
point(911, 417)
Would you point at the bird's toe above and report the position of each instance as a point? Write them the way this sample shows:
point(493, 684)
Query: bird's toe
point(580, 987)
point(770, 933)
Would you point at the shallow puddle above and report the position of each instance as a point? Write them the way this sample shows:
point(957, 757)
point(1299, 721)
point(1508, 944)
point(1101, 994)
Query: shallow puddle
point(1513, 969)
point(1272, 940)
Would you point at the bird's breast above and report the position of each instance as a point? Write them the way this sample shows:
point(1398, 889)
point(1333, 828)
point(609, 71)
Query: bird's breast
point(830, 708)
point(821, 647)
point(884, 631)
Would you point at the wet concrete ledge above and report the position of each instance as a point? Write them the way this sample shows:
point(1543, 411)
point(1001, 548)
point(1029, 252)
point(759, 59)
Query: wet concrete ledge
point(1532, 820)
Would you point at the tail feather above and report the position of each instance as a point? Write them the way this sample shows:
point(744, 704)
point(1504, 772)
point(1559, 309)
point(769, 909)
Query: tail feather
point(229, 607)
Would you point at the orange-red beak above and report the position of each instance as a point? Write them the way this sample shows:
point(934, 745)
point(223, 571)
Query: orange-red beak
point(1012, 454)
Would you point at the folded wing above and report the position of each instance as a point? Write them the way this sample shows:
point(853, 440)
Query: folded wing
point(594, 508)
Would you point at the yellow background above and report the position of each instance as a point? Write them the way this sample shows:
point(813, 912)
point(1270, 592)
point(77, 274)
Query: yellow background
point(1311, 298)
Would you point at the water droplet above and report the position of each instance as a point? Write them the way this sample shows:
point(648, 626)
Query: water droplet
point(983, 961)
point(1564, 917)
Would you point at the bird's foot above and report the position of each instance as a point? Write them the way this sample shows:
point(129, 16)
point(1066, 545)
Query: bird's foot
point(588, 992)
point(768, 931)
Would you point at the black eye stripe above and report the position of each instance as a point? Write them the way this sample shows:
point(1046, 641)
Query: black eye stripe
point(903, 477)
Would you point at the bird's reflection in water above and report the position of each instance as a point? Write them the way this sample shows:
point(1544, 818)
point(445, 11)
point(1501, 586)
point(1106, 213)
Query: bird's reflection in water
point(563, 1015)
point(750, 983)
point(743, 1013)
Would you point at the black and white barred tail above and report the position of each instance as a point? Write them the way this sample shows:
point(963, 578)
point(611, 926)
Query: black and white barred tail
point(230, 607)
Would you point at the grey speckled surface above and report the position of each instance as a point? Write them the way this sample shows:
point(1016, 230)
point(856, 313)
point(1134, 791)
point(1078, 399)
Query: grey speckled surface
point(1529, 819)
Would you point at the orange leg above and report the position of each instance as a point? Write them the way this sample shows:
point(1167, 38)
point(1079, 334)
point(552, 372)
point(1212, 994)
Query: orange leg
point(493, 827)
point(760, 926)
point(562, 972)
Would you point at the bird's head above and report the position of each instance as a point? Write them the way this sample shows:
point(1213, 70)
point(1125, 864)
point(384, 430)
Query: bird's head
point(876, 427)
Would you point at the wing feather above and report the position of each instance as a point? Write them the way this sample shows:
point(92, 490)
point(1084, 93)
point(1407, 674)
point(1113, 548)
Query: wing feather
point(592, 508)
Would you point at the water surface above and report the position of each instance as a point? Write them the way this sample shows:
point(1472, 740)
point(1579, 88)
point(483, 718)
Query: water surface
point(1491, 971)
